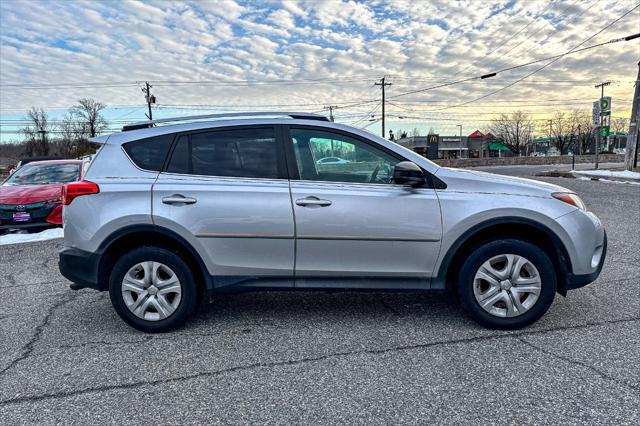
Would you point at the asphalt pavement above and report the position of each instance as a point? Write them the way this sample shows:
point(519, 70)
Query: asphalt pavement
point(302, 357)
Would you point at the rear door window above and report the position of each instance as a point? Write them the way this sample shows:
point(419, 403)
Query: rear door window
point(250, 152)
point(149, 153)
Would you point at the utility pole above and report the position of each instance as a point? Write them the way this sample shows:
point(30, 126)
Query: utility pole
point(631, 153)
point(151, 99)
point(45, 148)
point(530, 140)
point(549, 144)
point(331, 108)
point(599, 134)
point(383, 85)
point(460, 146)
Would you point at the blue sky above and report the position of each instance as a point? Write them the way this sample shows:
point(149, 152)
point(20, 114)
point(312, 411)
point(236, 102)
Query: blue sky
point(214, 56)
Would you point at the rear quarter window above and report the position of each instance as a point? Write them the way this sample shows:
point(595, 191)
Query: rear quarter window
point(149, 153)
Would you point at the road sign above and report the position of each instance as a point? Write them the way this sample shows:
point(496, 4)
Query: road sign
point(601, 108)
point(604, 131)
point(432, 147)
point(595, 116)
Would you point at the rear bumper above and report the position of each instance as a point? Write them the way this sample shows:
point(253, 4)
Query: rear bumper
point(81, 267)
point(577, 281)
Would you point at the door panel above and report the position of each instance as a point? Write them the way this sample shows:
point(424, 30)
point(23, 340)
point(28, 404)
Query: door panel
point(367, 230)
point(244, 225)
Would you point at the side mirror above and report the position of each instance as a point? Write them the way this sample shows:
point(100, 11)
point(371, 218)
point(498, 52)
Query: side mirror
point(408, 173)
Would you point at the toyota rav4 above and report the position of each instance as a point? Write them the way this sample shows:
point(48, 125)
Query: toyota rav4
point(170, 214)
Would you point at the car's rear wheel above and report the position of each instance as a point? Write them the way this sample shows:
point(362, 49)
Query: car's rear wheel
point(507, 284)
point(152, 289)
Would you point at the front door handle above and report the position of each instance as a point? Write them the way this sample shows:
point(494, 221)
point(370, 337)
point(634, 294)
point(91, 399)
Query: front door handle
point(312, 201)
point(178, 199)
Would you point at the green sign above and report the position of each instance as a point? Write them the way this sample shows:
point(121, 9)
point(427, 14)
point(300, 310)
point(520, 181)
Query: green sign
point(604, 131)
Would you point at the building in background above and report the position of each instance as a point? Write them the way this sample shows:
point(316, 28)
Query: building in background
point(475, 145)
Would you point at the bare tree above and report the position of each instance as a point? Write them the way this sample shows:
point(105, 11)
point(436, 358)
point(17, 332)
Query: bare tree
point(514, 130)
point(619, 124)
point(564, 129)
point(36, 132)
point(72, 137)
point(585, 132)
point(87, 112)
point(415, 132)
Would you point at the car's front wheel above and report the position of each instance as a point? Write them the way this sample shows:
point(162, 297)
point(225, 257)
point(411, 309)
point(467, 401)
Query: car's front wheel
point(152, 289)
point(507, 284)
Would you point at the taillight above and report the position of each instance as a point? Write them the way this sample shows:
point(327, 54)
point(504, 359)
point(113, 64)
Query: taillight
point(75, 189)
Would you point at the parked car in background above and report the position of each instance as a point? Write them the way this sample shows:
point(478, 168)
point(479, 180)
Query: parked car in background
point(169, 215)
point(30, 198)
point(332, 160)
point(28, 160)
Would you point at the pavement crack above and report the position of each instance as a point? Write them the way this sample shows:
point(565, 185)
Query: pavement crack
point(14, 284)
point(28, 348)
point(300, 361)
point(64, 394)
point(579, 363)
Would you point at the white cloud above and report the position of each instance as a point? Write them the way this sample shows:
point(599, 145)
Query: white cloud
point(282, 19)
point(294, 7)
point(415, 43)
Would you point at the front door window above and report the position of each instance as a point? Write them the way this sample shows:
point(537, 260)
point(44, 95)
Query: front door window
point(332, 157)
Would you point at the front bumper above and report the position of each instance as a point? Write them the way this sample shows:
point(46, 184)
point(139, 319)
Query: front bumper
point(16, 226)
point(581, 280)
point(81, 267)
point(41, 215)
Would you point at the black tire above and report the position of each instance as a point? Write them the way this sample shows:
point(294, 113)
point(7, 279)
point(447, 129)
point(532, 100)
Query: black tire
point(486, 251)
point(189, 290)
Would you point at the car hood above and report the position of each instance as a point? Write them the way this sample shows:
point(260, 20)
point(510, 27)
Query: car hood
point(27, 194)
point(465, 180)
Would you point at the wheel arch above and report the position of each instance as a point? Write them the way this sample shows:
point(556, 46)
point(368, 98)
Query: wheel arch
point(506, 227)
point(134, 236)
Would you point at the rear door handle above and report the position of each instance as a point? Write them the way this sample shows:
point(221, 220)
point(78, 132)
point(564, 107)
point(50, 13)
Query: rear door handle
point(178, 199)
point(312, 201)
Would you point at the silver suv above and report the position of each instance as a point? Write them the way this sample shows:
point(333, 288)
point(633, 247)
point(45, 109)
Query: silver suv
point(169, 215)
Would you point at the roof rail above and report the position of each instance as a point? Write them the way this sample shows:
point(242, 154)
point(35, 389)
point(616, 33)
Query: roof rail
point(295, 115)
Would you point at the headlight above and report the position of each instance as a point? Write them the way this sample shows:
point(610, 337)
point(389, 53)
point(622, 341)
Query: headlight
point(570, 198)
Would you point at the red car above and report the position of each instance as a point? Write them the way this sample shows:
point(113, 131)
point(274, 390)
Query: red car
point(30, 197)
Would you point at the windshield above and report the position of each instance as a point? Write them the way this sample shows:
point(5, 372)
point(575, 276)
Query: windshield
point(42, 174)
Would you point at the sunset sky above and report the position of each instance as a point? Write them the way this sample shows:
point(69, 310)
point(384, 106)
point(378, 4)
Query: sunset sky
point(217, 56)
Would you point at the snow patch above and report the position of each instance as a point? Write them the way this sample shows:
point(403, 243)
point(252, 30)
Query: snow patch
point(623, 182)
point(625, 174)
point(48, 234)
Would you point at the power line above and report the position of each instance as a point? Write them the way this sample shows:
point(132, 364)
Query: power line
point(503, 44)
point(494, 73)
point(562, 14)
point(367, 115)
point(332, 80)
point(553, 60)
